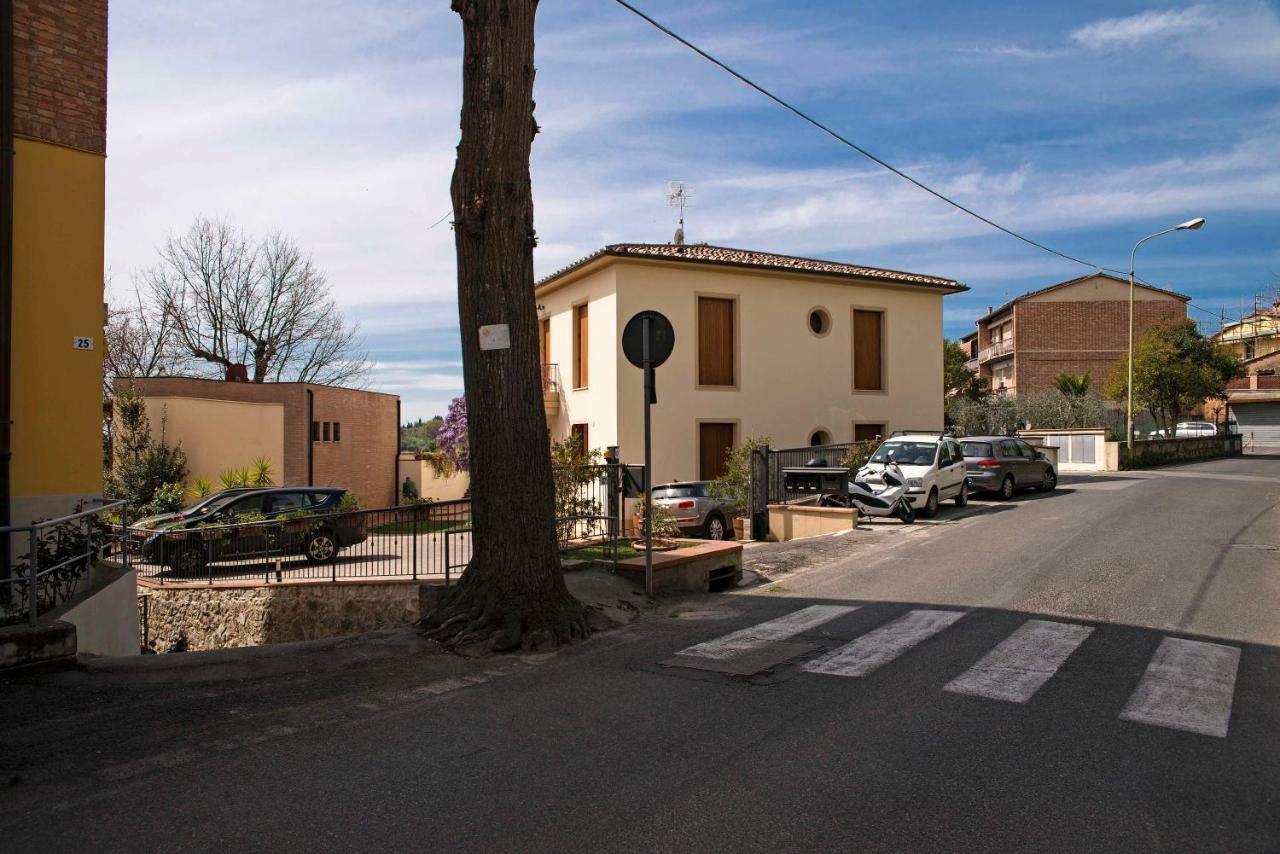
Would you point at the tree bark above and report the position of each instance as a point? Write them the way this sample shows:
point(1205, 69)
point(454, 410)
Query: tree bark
point(512, 593)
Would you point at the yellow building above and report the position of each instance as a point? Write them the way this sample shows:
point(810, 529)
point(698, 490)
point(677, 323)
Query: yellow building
point(1256, 334)
point(51, 301)
point(804, 351)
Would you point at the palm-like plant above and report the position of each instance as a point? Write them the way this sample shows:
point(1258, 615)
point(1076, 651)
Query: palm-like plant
point(202, 488)
point(1073, 385)
point(261, 472)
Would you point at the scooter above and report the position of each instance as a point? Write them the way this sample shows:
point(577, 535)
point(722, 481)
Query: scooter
point(890, 499)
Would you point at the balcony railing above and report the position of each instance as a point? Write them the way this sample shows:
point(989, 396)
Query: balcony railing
point(550, 378)
point(995, 351)
point(971, 364)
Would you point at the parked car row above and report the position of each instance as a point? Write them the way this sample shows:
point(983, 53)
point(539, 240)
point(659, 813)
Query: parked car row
point(939, 468)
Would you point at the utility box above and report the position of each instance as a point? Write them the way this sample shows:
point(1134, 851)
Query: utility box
point(811, 482)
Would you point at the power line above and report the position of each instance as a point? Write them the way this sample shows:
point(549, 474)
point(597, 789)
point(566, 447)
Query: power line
point(796, 111)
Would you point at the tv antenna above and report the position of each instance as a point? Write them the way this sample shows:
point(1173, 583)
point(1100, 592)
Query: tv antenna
point(678, 195)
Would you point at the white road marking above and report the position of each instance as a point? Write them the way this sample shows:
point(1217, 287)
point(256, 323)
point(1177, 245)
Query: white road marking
point(883, 645)
point(758, 636)
point(1189, 685)
point(1022, 662)
point(1107, 486)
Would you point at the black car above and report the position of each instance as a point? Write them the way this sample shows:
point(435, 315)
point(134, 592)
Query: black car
point(255, 523)
point(1004, 465)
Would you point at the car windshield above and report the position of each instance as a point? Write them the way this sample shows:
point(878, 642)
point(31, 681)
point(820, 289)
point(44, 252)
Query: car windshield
point(977, 449)
point(682, 490)
point(907, 453)
point(209, 505)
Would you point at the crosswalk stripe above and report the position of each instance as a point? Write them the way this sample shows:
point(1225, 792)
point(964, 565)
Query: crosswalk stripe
point(778, 629)
point(1189, 685)
point(1022, 662)
point(879, 647)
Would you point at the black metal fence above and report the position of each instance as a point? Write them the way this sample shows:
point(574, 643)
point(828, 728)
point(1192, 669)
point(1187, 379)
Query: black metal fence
point(426, 540)
point(49, 558)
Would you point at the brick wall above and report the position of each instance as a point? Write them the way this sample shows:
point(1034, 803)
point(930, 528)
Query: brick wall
point(364, 461)
point(365, 458)
point(60, 72)
point(1073, 337)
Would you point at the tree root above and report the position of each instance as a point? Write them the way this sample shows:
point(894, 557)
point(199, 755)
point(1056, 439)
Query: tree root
point(472, 621)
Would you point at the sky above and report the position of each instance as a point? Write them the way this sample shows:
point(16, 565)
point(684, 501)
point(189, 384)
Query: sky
point(1085, 126)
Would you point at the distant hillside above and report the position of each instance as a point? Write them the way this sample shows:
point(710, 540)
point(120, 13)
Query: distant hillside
point(421, 435)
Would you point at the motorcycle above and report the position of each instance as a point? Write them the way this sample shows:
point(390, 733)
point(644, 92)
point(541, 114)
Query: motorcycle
point(875, 492)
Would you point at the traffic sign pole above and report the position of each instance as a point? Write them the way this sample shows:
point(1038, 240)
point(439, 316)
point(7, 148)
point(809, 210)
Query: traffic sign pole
point(647, 360)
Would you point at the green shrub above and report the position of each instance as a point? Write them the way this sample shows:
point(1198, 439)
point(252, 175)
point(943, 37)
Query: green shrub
point(664, 523)
point(856, 457)
point(349, 502)
point(734, 486)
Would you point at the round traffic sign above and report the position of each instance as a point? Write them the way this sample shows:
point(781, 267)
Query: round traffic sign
point(662, 339)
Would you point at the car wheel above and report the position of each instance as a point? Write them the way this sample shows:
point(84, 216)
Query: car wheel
point(962, 498)
point(906, 512)
point(714, 529)
point(1006, 488)
point(1049, 482)
point(930, 508)
point(320, 547)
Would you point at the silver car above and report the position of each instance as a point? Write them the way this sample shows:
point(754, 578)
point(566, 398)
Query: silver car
point(695, 509)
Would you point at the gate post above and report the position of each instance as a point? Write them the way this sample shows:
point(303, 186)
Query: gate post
point(759, 494)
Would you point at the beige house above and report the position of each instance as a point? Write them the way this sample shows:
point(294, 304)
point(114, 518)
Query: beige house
point(803, 351)
point(1255, 335)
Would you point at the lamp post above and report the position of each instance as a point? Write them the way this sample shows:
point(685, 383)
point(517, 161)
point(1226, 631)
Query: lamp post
point(1190, 225)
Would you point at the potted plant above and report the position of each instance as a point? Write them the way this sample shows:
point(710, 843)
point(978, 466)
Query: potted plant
point(665, 529)
point(734, 486)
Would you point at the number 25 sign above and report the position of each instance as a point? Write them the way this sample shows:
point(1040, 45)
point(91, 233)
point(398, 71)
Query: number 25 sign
point(80, 342)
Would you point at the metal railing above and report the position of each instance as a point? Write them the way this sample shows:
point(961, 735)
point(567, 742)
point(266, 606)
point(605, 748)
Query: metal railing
point(996, 350)
point(59, 552)
point(427, 540)
point(550, 378)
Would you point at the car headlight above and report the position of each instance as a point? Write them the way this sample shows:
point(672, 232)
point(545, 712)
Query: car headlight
point(915, 482)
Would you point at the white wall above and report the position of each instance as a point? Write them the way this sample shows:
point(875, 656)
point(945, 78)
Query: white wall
point(107, 621)
point(597, 404)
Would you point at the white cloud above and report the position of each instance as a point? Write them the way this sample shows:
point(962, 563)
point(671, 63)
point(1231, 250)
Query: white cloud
point(1239, 37)
point(1143, 27)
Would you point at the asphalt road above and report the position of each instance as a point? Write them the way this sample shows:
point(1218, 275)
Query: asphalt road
point(1094, 669)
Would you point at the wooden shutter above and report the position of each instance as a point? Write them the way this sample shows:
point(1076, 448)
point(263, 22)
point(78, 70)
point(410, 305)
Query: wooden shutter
point(868, 340)
point(867, 432)
point(580, 346)
point(584, 439)
point(715, 441)
point(715, 341)
point(546, 341)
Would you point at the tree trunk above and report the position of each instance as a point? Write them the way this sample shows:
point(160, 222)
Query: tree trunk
point(512, 593)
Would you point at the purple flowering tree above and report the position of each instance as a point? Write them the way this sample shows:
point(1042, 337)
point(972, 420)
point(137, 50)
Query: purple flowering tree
point(452, 438)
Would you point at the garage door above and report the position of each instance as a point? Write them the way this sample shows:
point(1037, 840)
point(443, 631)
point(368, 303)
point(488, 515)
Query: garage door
point(1258, 422)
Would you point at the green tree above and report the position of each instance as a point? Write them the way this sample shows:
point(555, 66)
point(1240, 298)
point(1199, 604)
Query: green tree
point(1175, 369)
point(141, 465)
point(958, 380)
point(421, 435)
point(1073, 385)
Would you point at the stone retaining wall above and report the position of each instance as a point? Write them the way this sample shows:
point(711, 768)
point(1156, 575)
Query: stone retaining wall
point(203, 618)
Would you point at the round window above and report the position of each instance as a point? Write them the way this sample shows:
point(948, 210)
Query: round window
point(819, 437)
point(819, 321)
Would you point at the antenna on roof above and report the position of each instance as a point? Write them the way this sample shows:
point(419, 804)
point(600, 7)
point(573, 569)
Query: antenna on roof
point(678, 196)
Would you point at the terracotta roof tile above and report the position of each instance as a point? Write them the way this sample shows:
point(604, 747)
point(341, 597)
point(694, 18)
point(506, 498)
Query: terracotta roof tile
point(701, 253)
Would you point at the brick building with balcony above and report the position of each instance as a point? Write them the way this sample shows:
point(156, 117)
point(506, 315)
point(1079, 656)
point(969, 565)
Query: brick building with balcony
point(1073, 327)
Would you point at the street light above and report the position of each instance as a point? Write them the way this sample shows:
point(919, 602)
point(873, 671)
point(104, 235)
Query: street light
point(1190, 225)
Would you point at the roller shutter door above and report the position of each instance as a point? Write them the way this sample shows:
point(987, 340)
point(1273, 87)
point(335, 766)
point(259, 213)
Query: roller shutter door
point(1259, 422)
